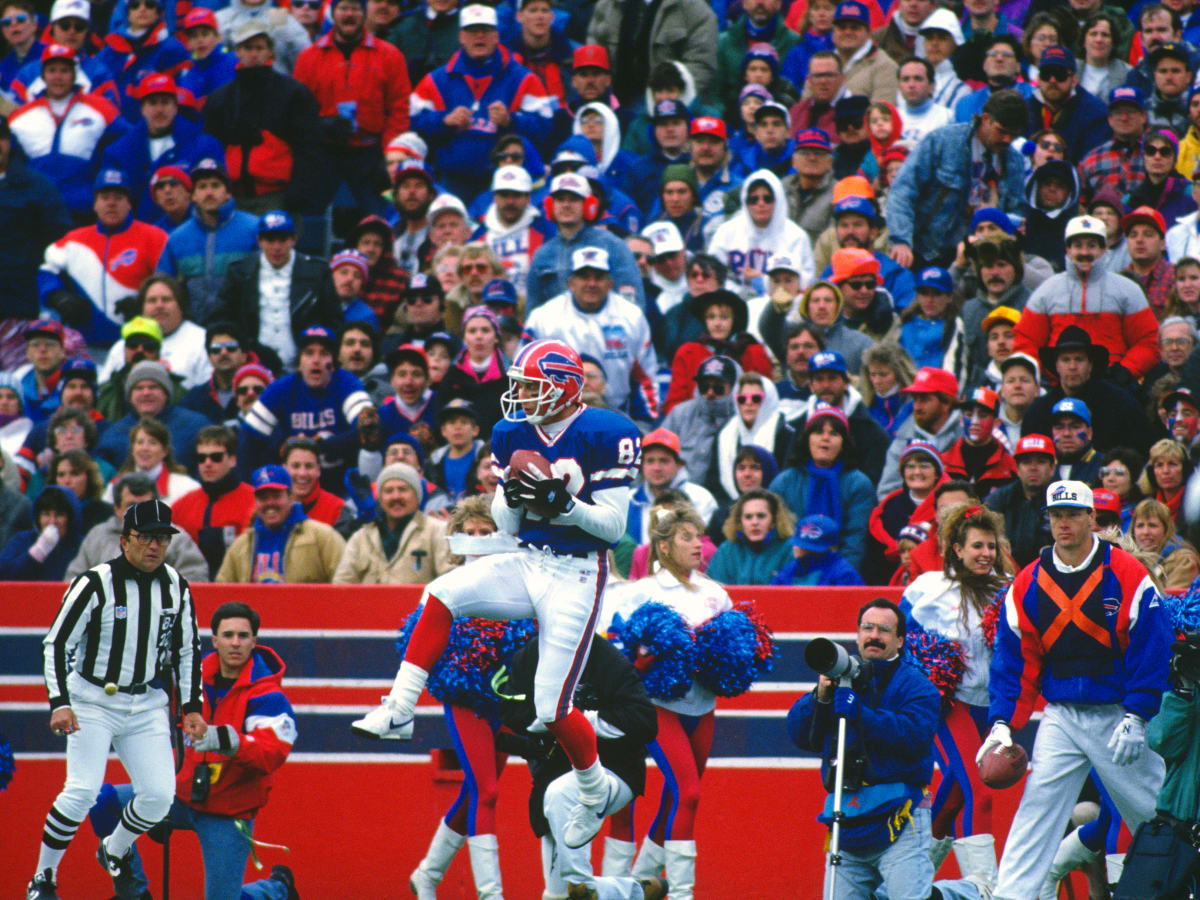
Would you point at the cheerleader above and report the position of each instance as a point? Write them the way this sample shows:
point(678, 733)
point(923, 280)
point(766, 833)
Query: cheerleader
point(953, 604)
point(685, 726)
point(471, 819)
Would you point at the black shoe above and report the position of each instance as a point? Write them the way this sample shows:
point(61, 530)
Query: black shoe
point(653, 889)
point(284, 874)
point(119, 867)
point(42, 887)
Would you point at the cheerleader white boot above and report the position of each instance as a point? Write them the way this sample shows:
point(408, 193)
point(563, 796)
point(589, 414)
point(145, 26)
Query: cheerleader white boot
point(680, 859)
point(976, 856)
point(429, 874)
point(650, 860)
point(618, 858)
point(485, 866)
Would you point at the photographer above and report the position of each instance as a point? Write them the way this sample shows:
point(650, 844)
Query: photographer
point(892, 712)
point(227, 774)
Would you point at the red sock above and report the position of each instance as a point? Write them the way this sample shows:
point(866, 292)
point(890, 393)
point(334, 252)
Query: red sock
point(575, 735)
point(430, 636)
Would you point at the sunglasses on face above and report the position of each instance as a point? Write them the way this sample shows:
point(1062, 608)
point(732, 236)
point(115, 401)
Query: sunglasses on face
point(307, 4)
point(861, 284)
point(480, 268)
point(1158, 150)
point(1057, 75)
point(750, 398)
point(1115, 471)
point(716, 388)
point(249, 389)
point(136, 343)
point(71, 24)
point(145, 540)
point(513, 156)
point(138, 4)
point(224, 347)
point(640, 256)
point(18, 19)
point(423, 300)
point(216, 457)
point(760, 198)
point(1051, 145)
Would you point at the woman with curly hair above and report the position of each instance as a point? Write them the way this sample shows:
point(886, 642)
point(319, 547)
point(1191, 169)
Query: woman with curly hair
point(756, 540)
point(953, 604)
point(685, 726)
point(76, 471)
point(889, 370)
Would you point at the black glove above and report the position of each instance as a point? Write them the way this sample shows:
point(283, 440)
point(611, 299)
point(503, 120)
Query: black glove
point(550, 495)
point(531, 747)
point(517, 493)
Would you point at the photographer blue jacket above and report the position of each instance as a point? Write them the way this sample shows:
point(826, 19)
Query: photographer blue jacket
point(895, 717)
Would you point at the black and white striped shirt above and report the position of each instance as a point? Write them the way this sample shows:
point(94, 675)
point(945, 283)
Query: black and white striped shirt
point(119, 625)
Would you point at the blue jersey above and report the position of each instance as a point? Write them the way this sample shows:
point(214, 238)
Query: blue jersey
point(600, 449)
point(290, 408)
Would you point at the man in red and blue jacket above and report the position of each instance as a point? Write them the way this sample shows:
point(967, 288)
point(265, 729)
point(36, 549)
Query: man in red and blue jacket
point(1082, 625)
point(251, 732)
point(463, 107)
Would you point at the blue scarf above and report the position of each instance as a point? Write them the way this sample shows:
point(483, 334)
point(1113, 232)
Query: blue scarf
point(824, 491)
point(764, 35)
point(269, 545)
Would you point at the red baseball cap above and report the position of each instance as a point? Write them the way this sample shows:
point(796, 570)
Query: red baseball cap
point(851, 261)
point(932, 381)
point(1144, 215)
point(1105, 501)
point(1035, 443)
point(156, 83)
point(662, 437)
point(58, 51)
point(592, 55)
point(166, 173)
point(710, 125)
point(981, 396)
point(199, 17)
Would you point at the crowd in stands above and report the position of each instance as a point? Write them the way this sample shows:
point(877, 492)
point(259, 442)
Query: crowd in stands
point(843, 264)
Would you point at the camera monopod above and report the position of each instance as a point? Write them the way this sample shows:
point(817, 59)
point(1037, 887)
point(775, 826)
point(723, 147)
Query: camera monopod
point(826, 658)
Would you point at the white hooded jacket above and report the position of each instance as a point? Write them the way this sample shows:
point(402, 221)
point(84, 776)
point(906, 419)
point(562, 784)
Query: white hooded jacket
point(741, 244)
point(735, 434)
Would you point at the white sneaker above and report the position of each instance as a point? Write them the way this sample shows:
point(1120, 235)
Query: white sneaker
point(384, 723)
point(585, 821)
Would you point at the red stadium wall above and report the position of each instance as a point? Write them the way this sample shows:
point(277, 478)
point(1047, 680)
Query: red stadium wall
point(358, 816)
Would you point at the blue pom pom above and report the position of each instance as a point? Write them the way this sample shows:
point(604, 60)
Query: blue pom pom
point(664, 634)
point(462, 676)
point(1183, 610)
point(8, 763)
point(728, 660)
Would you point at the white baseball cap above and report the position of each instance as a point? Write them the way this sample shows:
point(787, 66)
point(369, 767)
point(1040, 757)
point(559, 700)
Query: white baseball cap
point(1090, 225)
point(512, 178)
point(782, 262)
point(572, 183)
point(477, 14)
point(70, 9)
point(447, 203)
point(664, 236)
point(589, 258)
point(1072, 494)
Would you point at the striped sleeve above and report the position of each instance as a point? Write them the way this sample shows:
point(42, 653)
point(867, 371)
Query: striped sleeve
point(356, 401)
point(65, 634)
point(261, 419)
point(187, 652)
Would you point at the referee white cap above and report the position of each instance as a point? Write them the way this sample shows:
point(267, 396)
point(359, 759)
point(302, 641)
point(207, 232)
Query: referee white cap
point(149, 516)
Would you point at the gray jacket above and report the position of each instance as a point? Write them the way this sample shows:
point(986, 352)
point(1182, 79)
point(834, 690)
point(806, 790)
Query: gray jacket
point(683, 31)
point(103, 543)
point(697, 422)
point(974, 311)
point(811, 210)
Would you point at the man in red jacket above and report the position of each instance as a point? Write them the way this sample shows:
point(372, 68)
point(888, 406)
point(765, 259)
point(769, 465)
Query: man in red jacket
point(215, 513)
point(227, 774)
point(977, 456)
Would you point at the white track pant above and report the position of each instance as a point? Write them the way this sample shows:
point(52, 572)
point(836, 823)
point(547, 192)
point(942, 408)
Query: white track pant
point(1070, 741)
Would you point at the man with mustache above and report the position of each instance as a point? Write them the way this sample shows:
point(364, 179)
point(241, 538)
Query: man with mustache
point(999, 268)
point(1108, 306)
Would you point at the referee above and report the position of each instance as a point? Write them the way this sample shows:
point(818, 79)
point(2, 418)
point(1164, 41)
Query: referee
point(125, 628)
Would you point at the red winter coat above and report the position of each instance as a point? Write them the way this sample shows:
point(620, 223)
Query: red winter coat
point(266, 726)
point(233, 509)
point(1000, 469)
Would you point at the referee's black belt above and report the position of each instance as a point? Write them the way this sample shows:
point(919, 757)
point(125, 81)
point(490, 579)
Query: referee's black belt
point(124, 689)
point(577, 554)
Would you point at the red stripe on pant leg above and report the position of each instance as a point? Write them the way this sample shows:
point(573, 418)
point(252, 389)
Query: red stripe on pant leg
point(585, 644)
point(430, 634)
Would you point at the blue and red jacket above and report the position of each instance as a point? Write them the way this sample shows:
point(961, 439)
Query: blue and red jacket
point(208, 74)
point(256, 706)
point(91, 75)
point(62, 148)
point(1092, 636)
point(130, 60)
point(464, 82)
point(105, 266)
point(131, 154)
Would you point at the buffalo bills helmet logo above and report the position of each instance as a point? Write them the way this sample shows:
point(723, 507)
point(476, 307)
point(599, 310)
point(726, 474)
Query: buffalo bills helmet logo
point(124, 258)
point(560, 370)
point(811, 531)
point(545, 379)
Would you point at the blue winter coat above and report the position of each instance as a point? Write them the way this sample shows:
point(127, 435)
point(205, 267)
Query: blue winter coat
point(208, 74)
point(926, 205)
point(131, 60)
point(896, 731)
point(737, 562)
point(32, 216)
point(183, 424)
point(825, 570)
point(1082, 123)
point(199, 255)
point(858, 499)
point(131, 154)
point(643, 179)
point(17, 565)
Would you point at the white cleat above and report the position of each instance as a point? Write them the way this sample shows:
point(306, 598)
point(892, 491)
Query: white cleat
point(384, 723)
point(584, 822)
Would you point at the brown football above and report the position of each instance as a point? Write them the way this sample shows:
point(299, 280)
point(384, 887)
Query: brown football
point(1002, 768)
point(522, 460)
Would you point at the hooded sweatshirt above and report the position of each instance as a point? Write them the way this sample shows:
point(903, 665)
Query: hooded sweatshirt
point(697, 422)
point(613, 162)
point(1045, 228)
point(769, 431)
point(741, 245)
point(16, 561)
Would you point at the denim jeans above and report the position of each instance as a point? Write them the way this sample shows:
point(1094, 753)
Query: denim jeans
point(223, 847)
